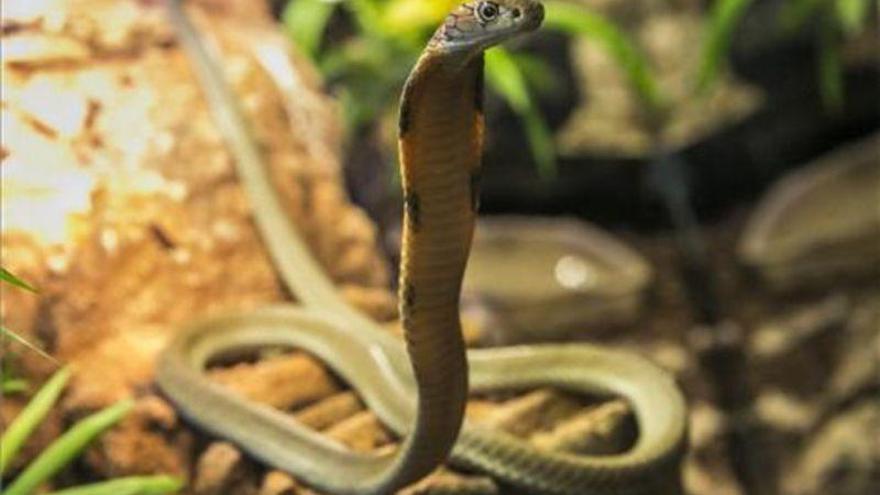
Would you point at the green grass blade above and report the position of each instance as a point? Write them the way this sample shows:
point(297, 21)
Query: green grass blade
point(540, 76)
point(30, 417)
point(67, 447)
point(9, 278)
point(134, 485)
point(541, 143)
point(305, 21)
point(723, 19)
point(830, 68)
point(506, 78)
point(578, 21)
point(13, 386)
point(6, 333)
point(367, 15)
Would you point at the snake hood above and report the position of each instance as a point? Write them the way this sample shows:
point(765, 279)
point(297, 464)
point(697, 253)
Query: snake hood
point(477, 25)
point(440, 142)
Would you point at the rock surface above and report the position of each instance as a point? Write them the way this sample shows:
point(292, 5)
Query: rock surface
point(844, 457)
point(820, 222)
point(121, 204)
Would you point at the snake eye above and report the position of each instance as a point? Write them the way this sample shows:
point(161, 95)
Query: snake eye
point(487, 11)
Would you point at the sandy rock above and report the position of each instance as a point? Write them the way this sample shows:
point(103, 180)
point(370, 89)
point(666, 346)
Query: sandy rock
point(706, 470)
point(284, 381)
point(102, 377)
point(361, 432)
point(581, 279)
point(377, 302)
point(707, 423)
point(786, 419)
point(330, 410)
point(673, 357)
point(784, 413)
point(791, 242)
point(715, 480)
point(279, 483)
point(121, 203)
point(219, 468)
point(858, 371)
point(149, 440)
point(798, 352)
point(136, 24)
point(444, 482)
point(479, 409)
point(844, 457)
point(536, 410)
point(606, 429)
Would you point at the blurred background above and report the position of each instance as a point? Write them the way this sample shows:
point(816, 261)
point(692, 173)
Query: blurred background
point(697, 181)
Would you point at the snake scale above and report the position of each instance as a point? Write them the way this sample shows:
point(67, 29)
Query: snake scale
point(418, 390)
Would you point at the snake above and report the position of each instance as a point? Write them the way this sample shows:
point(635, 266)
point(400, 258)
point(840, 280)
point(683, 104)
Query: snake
point(418, 386)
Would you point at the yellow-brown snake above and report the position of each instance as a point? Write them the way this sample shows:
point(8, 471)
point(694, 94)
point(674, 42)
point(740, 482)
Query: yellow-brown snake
point(418, 391)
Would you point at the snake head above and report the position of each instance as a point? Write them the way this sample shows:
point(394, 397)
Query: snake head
point(479, 24)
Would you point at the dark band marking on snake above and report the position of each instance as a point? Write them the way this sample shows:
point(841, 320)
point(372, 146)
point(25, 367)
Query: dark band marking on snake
point(419, 391)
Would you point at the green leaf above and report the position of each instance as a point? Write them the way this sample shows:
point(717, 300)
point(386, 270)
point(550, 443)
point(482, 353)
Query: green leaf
point(506, 78)
point(367, 74)
point(576, 20)
point(306, 21)
point(6, 333)
point(133, 485)
point(30, 417)
point(852, 15)
point(67, 447)
point(723, 19)
point(12, 279)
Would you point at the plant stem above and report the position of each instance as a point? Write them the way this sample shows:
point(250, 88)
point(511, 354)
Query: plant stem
point(134, 485)
point(829, 66)
point(668, 175)
point(717, 342)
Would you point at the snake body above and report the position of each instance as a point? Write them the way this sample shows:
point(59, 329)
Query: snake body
point(418, 390)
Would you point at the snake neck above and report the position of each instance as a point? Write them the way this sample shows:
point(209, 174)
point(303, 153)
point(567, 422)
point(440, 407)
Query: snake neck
point(440, 147)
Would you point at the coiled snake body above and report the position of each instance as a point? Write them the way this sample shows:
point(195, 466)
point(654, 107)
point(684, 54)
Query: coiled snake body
point(421, 398)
